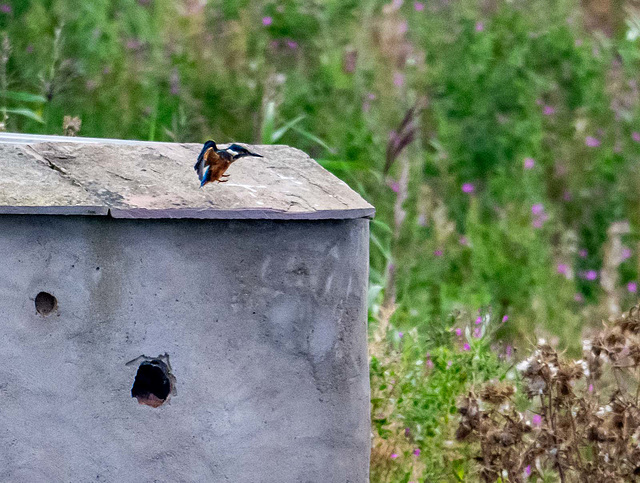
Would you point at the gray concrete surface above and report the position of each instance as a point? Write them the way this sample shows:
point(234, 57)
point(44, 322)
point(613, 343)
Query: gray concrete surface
point(264, 322)
point(156, 180)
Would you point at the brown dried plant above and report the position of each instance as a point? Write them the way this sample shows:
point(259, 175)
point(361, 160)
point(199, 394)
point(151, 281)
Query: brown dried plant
point(583, 424)
point(71, 125)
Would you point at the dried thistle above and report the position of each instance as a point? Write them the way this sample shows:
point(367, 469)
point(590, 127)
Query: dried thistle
point(71, 125)
point(576, 432)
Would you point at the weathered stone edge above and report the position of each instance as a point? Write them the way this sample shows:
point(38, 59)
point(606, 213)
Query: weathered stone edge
point(243, 214)
point(182, 213)
point(54, 210)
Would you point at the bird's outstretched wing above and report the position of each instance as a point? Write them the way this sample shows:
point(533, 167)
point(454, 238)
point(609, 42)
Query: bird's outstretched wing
point(200, 163)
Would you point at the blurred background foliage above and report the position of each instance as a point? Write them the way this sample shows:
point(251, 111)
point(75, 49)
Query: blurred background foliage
point(499, 141)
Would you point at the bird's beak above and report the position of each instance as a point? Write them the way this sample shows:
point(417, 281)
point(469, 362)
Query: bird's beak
point(244, 155)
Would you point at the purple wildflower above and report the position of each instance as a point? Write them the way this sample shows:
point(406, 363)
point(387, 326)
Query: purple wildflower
point(403, 27)
point(477, 332)
point(395, 186)
point(626, 253)
point(562, 268)
point(5, 8)
point(366, 105)
point(266, 21)
point(529, 163)
point(479, 27)
point(292, 44)
point(438, 253)
point(539, 215)
point(590, 275)
point(133, 44)
point(566, 196)
point(468, 188)
point(592, 142)
point(537, 209)
point(578, 297)
point(632, 287)
point(398, 79)
point(583, 253)
point(527, 470)
point(418, 6)
point(509, 351)
point(505, 318)
point(393, 456)
point(635, 135)
point(416, 452)
point(536, 420)
point(590, 387)
point(429, 363)
point(479, 320)
point(463, 241)
point(548, 110)
point(407, 432)
point(458, 332)
point(400, 335)
point(466, 347)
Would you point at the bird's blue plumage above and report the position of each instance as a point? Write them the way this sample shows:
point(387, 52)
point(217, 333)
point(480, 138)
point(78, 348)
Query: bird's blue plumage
point(204, 176)
point(207, 145)
point(236, 147)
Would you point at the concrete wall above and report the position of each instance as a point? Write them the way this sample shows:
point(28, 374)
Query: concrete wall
point(264, 322)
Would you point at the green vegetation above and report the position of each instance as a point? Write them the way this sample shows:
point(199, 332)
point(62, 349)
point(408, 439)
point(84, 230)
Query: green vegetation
point(512, 185)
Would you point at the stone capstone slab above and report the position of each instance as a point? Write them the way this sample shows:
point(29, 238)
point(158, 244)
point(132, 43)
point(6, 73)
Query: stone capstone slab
point(156, 180)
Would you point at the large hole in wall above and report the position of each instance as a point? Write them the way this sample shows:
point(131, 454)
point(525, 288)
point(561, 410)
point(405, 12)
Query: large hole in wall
point(154, 381)
point(45, 303)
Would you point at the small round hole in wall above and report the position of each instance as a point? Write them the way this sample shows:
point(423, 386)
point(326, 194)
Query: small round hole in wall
point(45, 303)
point(153, 383)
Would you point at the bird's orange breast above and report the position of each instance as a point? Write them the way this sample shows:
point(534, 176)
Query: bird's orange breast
point(217, 163)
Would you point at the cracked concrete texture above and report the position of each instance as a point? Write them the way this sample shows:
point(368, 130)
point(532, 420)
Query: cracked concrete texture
point(265, 323)
point(27, 186)
point(157, 180)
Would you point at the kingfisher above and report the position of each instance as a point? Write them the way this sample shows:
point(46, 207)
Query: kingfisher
point(213, 162)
